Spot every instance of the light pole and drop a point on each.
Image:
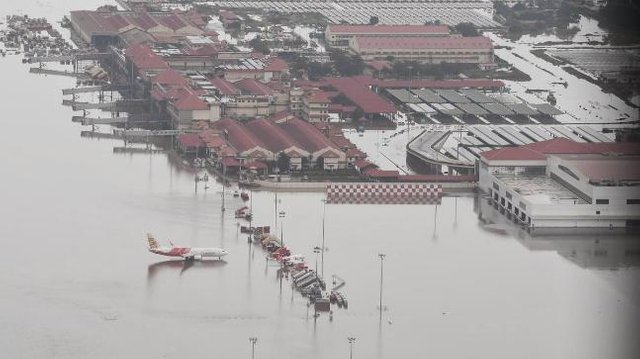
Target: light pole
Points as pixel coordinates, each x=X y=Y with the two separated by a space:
x=324 y=209
x=281 y=215
x=381 y=255
x=253 y=341
x=316 y=250
x=351 y=341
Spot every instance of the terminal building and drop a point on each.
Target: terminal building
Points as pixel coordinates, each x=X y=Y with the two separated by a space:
x=431 y=50
x=340 y=36
x=562 y=183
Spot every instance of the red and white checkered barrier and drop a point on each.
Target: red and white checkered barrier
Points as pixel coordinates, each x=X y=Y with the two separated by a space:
x=384 y=193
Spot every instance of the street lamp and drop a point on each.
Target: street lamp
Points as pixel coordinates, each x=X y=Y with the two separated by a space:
x=382 y=256
x=281 y=215
x=316 y=250
x=253 y=341
x=351 y=341
x=324 y=209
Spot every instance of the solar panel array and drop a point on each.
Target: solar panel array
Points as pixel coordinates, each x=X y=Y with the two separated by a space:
x=394 y=12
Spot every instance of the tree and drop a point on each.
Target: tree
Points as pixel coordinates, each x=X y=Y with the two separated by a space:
x=284 y=162
x=374 y=20
x=260 y=45
x=467 y=29
x=346 y=64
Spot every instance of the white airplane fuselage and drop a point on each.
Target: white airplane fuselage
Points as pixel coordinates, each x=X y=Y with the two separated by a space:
x=190 y=253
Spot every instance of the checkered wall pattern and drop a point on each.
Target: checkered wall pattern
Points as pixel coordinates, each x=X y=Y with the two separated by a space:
x=384 y=193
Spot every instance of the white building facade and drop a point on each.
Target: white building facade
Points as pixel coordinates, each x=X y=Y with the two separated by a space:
x=538 y=189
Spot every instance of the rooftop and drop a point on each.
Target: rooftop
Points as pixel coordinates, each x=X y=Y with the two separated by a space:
x=388 y=29
x=360 y=94
x=409 y=42
x=601 y=168
x=539 y=189
x=538 y=151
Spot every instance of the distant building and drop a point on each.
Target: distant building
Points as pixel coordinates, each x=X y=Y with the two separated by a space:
x=103 y=28
x=340 y=36
x=315 y=106
x=561 y=183
x=284 y=134
x=431 y=50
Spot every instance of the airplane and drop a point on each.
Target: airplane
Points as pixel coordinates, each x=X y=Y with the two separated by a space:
x=188 y=254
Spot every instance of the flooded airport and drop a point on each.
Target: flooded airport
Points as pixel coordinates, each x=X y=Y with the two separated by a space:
x=460 y=280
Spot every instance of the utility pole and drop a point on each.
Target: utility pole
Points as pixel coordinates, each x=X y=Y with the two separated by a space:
x=324 y=208
x=351 y=340
x=281 y=215
x=382 y=256
x=316 y=250
x=253 y=341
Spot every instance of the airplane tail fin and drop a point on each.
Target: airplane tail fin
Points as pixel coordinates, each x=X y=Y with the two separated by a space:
x=153 y=244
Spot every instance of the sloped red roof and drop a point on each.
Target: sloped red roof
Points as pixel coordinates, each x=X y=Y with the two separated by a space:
x=435 y=42
x=144 y=58
x=539 y=150
x=170 y=77
x=253 y=87
x=190 y=102
x=238 y=135
x=190 y=140
x=358 y=93
x=272 y=135
x=318 y=96
x=225 y=87
x=277 y=65
x=309 y=137
x=172 y=21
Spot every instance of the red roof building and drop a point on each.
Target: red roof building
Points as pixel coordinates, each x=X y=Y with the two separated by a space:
x=340 y=35
x=224 y=87
x=243 y=140
x=360 y=95
x=145 y=59
x=451 y=49
x=253 y=87
x=170 y=77
x=190 y=102
x=562 y=183
x=539 y=151
x=190 y=142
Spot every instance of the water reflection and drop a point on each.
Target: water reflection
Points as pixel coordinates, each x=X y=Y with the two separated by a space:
x=173 y=265
x=597 y=248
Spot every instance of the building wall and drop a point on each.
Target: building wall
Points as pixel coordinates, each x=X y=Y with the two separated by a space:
x=614 y=195
x=424 y=55
x=563 y=213
x=341 y=40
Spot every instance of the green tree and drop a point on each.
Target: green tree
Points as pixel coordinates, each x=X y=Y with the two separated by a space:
x=260 y=45
x=284 y=162
x=466 y=29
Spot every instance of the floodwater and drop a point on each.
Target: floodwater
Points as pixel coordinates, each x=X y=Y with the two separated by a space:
x=77 y=281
